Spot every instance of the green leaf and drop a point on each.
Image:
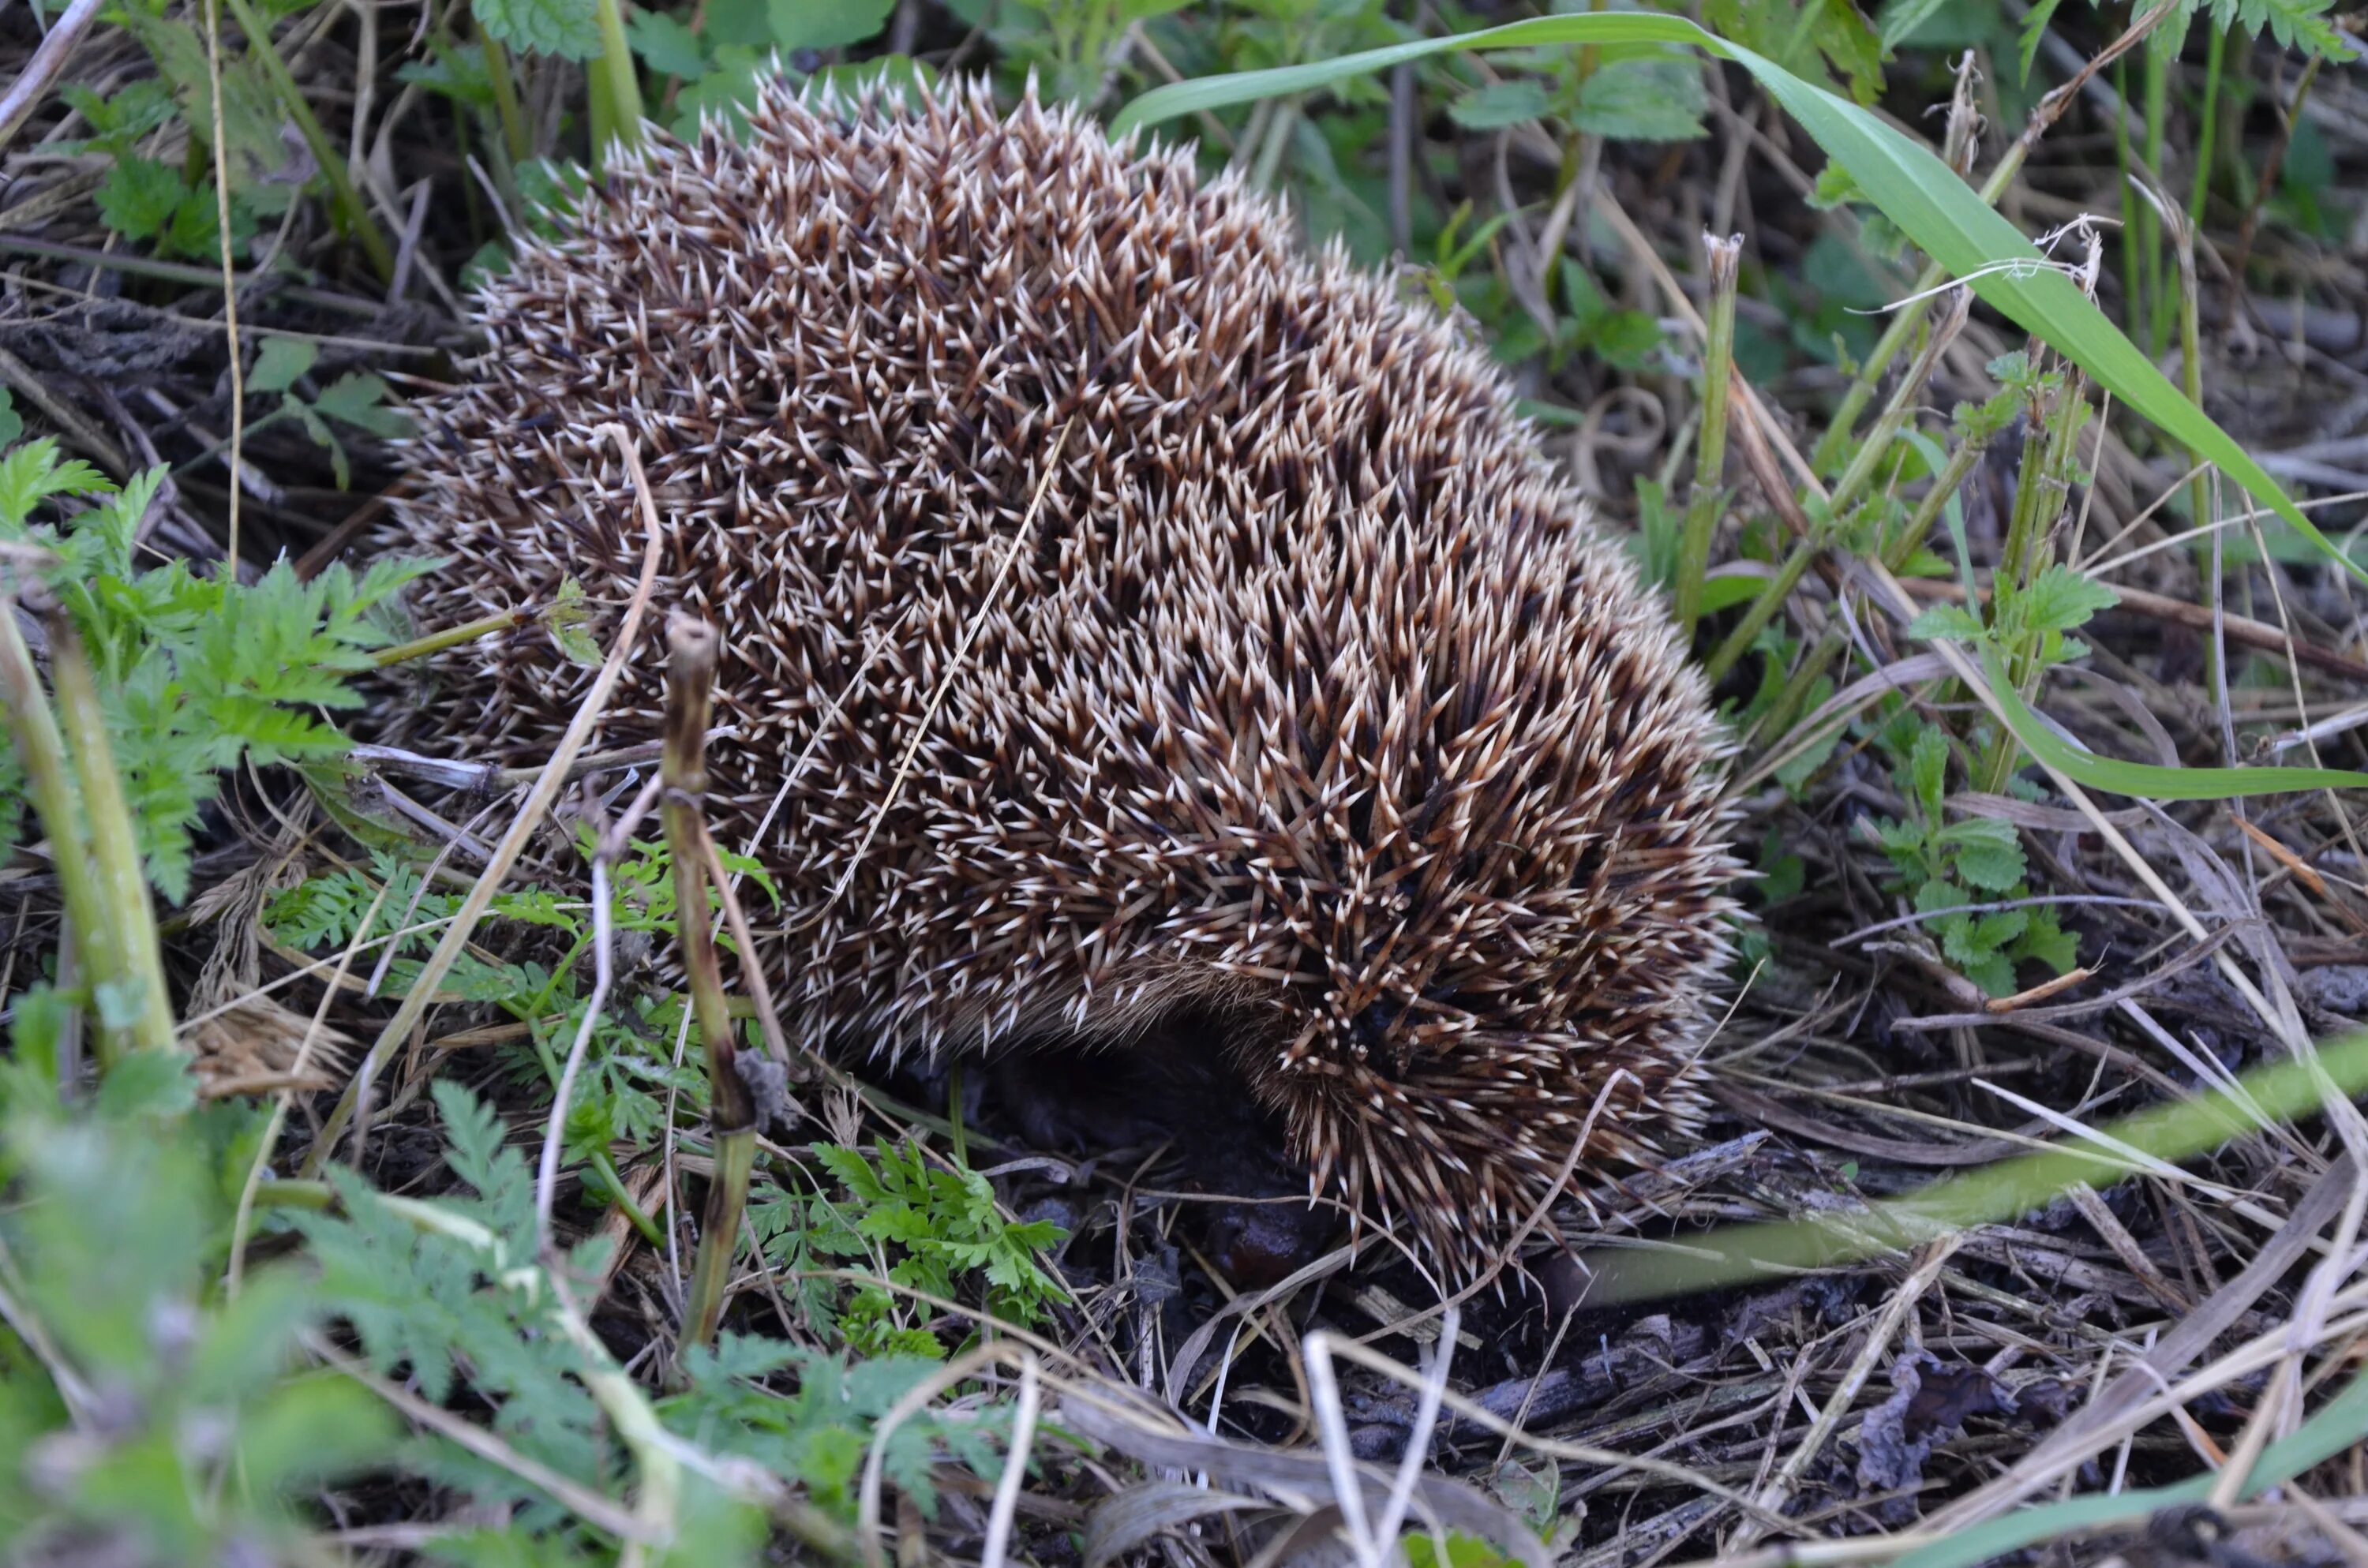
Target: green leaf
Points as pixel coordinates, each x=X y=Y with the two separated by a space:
x=2049 y=943
x=360 y=399
x=569 y=29
x=566 y=620
x=12 y=424
x=283 y=360
x=2060 y=598
x=2034 y=28
x=1904 y=179
x=2144 y=780
x=1947 y=623
x=1988 y=853
x=1501 y=104
x=196 y=229
x=148 y=1083
x=825 y=24
x=665 y=45
x=1626 y=339
x=145 y=105
x=1902 y=17
x=139 y=197
x=1928 y=770
x=1805 y=37
x=33 y=473
x=1643 y=100
x=2289 y=21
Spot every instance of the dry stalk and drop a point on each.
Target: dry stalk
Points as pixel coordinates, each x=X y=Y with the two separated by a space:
x=732 y=1114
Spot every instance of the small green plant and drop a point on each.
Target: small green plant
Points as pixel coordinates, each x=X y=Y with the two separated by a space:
x=357 y=398
x=1944 y=866
x=149 y=1417
x=199 y=674
x=821 y=1433
x=145 y=199
x=941 y=1226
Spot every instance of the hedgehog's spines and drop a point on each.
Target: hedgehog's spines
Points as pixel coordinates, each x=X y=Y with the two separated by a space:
x=1308 y=703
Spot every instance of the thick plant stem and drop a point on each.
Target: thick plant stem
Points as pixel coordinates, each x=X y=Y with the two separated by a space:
x=1947 y=482
x=1860 y=475
x=1763 y=610
x=454 y=636
x=139 y=982
x=617 y=88
x=506 y=107
x=1704 y=505
x=690 y=679
x=42 y=751
x=1903 y=322
x=353 y=214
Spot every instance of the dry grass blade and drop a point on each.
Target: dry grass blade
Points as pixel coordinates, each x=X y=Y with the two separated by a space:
x=1015 y=1467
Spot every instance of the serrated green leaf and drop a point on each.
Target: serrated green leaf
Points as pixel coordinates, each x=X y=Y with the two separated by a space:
x=1988 y=853
x=1515 y=101
x=1643 y=100
x=1953 y=623
x=33 y=473
x=2060 y=598
x=2291 y=22
x=665 y=45
x=147 y=1084
x=825 y=24
x=282 y=360
x=360 y=399
x=2049 y=943
x=569 y=29
x=1928 y=770
x=139 y=198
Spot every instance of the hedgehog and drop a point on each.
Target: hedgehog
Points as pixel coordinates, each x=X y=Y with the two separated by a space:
x=1140 y=635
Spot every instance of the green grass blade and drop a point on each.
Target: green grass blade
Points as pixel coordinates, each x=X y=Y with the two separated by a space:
x=1905 y=180
x=2174 y=1130
x=2144 y=780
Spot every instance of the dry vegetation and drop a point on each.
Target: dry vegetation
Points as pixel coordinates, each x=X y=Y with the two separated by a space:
x=374 y=1181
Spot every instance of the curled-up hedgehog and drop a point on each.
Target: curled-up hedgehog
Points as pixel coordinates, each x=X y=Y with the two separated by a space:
x=1145 y=643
